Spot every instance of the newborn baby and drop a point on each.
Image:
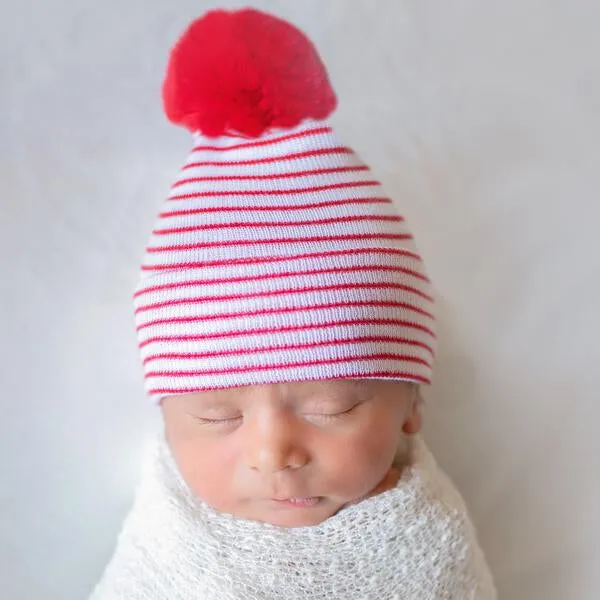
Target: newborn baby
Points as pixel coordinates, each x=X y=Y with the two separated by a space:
x=286 y=325
x=292 y=454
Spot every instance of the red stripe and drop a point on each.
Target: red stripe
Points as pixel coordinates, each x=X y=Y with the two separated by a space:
x=262 y=276
x=288 y=291
x=319 y=238
x=274 y=176
x=270 y=159
x=276 y=311
x=262 y=224
x=283 y=138
x=398 y=375
x=306 y=190
x=272 y=207
x=244 y=351
x=290 y=365
x=269 y=330
x=274 y=259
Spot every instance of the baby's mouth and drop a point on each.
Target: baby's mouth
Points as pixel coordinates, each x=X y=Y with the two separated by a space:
x=305 y=502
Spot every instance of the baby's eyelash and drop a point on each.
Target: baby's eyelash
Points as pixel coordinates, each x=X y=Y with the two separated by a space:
x=205 y=421
x=232 y=420
x=339 y=415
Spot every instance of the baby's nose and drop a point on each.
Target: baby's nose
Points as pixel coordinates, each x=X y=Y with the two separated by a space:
x=274 y=444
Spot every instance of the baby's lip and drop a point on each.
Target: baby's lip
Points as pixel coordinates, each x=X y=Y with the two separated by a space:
x=288 y=496
x=299 y=501
x=284 y=497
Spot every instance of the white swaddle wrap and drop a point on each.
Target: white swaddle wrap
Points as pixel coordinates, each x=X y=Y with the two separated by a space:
x=414 y=542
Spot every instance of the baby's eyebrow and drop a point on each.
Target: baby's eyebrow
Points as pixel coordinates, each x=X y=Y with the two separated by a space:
x=326 y=396
x=209 y=403
x=343 y=387
x=218 y=402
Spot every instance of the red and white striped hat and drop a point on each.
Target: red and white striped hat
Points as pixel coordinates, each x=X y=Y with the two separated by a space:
x=277 y=255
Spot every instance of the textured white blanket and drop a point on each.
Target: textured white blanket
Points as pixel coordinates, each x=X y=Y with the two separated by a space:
x=414 y=542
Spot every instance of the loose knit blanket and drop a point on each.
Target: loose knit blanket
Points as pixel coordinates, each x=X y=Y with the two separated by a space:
x=413 y=542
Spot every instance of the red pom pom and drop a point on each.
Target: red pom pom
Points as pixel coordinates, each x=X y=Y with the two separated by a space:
x=245 y=72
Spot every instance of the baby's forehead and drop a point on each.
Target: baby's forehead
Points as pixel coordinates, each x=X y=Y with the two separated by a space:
x=296 y=389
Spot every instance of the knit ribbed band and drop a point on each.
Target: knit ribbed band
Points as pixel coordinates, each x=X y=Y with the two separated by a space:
x=280 y=259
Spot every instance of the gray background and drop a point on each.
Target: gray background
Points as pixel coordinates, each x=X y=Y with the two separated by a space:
x=482 y=120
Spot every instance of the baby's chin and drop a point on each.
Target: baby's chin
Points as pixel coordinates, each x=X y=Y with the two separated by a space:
x=288 y=516
x=293 y=517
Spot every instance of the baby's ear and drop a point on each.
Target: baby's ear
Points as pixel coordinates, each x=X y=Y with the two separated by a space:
x=413 y=420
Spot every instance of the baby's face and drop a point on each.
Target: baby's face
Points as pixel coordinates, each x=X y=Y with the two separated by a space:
x=289 y=454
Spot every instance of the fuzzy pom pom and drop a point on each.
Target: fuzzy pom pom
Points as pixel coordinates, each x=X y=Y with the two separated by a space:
x=245 y=72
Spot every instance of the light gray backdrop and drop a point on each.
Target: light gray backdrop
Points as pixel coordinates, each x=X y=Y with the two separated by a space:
x=482 y=118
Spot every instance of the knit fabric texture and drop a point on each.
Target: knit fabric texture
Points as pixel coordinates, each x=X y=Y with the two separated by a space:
x=280 y=259
x=414 y=542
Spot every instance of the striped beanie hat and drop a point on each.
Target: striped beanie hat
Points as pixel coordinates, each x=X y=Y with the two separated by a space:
x=277 y=256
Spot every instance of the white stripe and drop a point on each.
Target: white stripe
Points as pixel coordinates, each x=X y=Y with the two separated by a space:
x=321 y=213
x=282 y=291
x=307 y=181
x=304 y=336
x=308 y=318
x=254 y=152
x=310 y=163
x=288 y=356
x=311 y=372
x=347 y=260
x=287 y=293
x=339 y=229
x=286 y=298
x=294 y=219
x=374 y=191
x=322 y=322
x=217 y=253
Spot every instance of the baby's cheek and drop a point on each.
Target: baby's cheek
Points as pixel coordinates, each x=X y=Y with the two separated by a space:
x=358 y=465
x=207 y=476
